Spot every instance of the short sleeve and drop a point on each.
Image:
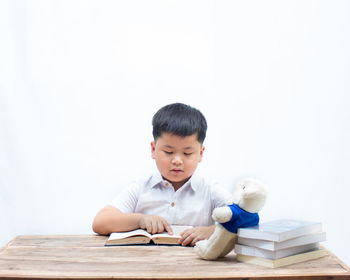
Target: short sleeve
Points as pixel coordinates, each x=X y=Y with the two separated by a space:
x=126 y=200
x=219 y=196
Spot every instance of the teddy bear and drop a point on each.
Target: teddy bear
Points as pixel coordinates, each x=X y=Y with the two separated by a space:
x=249 y=197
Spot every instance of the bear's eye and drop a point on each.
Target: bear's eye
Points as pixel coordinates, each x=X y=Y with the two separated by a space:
x=243 y=187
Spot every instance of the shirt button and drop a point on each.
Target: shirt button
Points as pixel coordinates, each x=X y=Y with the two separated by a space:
x=166 y=184
x=172 y=204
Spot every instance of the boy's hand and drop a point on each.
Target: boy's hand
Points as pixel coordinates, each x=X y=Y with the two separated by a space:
x=154 y=224
x=192 y=235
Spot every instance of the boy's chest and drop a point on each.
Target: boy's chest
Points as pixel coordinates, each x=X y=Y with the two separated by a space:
x=181 y=207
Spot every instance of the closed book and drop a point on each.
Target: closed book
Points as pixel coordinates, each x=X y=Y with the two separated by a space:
x=274 y=245
x=302 y=257
x=273 y=255
x=280 y=230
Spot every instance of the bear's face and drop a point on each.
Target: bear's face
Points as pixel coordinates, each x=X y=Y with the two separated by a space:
x=250 y=195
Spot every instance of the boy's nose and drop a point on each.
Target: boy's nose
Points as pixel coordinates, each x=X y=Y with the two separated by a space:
x=177 y=160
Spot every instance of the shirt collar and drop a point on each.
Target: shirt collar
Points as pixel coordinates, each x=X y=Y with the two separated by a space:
x=157 y=179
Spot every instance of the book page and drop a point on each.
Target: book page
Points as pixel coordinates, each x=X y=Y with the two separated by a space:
x=177 y=230
x=122 y=235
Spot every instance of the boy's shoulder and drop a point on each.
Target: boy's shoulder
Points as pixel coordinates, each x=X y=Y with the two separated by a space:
x=149 y=178
x=200 y=179
x=210 y=186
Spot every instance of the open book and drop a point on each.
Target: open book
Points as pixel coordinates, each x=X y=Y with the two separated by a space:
x=140 y=236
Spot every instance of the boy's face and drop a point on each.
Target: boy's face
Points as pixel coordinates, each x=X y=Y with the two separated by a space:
x=177 y=157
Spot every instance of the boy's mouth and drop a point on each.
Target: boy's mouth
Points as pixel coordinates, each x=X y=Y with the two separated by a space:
x=176 y=171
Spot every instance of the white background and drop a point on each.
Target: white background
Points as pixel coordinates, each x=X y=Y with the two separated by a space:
x=81 y=80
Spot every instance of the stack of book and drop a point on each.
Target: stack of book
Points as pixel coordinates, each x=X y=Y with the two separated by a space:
x=279 y=243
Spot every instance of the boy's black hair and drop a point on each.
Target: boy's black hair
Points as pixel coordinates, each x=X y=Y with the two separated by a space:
x=181 y=120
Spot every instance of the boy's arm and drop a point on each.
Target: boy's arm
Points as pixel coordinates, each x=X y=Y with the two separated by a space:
x=111 y=219
x=192 y=235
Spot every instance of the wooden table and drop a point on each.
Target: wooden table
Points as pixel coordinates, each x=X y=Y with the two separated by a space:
x=85 y=257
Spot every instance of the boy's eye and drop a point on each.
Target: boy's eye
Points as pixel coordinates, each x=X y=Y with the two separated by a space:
x=187 y=154
x=168 y=153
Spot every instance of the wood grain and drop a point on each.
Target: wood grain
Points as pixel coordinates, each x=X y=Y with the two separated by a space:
x=86 y=257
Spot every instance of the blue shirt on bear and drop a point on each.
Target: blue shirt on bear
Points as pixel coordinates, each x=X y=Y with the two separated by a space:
x=240 y=218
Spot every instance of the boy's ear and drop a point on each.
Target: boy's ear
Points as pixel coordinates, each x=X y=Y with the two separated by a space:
x=153 y=149
x=201 y=153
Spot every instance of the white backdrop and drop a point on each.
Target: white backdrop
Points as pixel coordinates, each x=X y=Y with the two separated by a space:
x=81 y=80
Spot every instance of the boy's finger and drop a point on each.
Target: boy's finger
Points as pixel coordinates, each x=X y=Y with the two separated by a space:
x=194 y=241
x=187 y=241
x=187 y=232
x=184 y=236
x=160 y=227
x=149 y=227
x=154 y=227
x=168 y=228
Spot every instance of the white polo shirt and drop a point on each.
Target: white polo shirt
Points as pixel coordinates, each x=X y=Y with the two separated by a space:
x=192 y=204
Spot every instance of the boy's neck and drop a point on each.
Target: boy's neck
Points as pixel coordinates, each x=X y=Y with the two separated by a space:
x=178 y=185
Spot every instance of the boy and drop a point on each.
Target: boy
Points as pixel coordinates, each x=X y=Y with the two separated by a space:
x=175 y=194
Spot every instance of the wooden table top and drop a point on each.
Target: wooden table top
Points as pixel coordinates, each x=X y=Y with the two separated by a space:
x=86 y=257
